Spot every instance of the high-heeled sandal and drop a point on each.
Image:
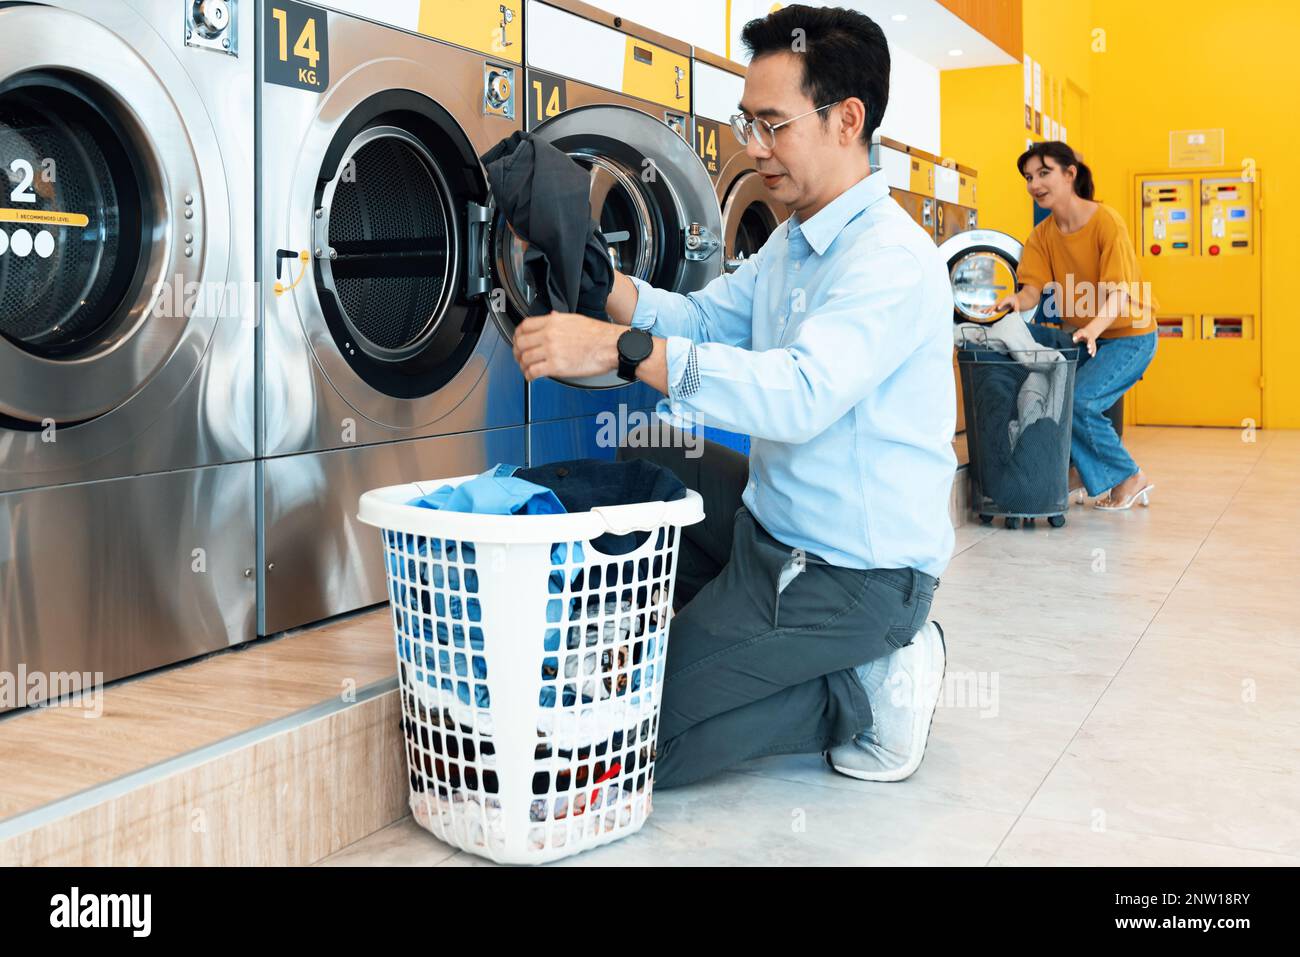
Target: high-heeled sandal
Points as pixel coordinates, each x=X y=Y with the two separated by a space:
x=1141 y=496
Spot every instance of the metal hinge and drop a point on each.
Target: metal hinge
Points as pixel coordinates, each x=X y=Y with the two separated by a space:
x=320 y=245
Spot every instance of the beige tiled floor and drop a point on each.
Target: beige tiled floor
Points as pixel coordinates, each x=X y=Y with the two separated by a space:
x=1123 y=690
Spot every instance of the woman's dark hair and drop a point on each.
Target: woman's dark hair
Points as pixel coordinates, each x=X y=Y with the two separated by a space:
x=1063 y=155
x=844 y=54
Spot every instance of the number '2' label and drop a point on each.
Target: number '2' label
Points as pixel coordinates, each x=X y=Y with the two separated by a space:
x=296 y=41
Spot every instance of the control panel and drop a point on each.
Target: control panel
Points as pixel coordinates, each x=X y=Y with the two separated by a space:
x=1227 y=227
x=1198 y=234
x=1167 y=218
x=487 y=26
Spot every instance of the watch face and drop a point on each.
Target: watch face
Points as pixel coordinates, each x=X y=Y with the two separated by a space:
x=635 y=345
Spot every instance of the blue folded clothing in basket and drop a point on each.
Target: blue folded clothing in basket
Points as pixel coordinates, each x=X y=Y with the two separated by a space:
x=495 y=492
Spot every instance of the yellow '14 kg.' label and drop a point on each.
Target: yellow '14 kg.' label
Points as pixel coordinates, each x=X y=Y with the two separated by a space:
x=297 y=45
x=44 y=217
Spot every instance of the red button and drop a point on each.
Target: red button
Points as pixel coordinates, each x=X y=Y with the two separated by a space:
x=1214 y=250
x=1155 y=249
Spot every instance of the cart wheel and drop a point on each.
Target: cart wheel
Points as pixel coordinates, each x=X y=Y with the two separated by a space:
x=1013 y=523
x=1056 y=521
x=986 y=519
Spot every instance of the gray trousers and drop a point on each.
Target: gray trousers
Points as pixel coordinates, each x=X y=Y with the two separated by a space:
x=753 y=668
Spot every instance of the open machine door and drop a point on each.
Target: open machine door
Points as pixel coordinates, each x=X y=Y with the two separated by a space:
x=650 y=194
x=982 y=264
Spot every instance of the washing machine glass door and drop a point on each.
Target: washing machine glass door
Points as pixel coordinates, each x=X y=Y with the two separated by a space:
x=748 y=218
x=390 y=241
x=93 y=267
x=982 y=265
x=651 y=196
x=62 y=283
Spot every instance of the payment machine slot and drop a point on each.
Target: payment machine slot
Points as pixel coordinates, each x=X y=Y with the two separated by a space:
x=1199 y=236
x=1227 y=327
x=1167 y=218
x=1174 y=327
x=1226 y=226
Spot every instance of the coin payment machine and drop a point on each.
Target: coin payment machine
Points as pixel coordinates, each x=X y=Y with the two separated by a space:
x=1199 y=247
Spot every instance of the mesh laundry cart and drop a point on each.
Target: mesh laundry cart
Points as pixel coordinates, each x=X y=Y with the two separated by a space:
x=1019 y=412
x=530 y=667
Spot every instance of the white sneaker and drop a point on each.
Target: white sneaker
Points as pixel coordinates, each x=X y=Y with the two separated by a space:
x=902 y=711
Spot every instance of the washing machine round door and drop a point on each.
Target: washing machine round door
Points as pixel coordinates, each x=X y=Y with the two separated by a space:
x=389 y=251
x=982 y=265
x=650 y=195
x=749 y=217
x=97 y=266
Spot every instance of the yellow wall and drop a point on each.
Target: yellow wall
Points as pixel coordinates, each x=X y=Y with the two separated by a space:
x=989 y=139
x=982 y=109
x=1154 y=71
x=1249 y=96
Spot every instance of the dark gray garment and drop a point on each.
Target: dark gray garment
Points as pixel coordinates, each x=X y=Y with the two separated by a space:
x=544 y=195
x=584 y=484
x=753 y=670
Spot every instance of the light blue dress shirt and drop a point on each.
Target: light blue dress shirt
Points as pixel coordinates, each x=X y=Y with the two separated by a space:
x=832 y=349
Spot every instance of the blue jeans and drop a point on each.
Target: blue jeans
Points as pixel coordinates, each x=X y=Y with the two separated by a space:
x=1095 y=448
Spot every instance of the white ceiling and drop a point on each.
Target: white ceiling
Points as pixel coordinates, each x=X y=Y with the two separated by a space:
x=930 y=31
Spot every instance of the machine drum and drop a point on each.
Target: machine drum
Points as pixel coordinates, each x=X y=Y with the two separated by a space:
x=62 y=283
x=392 y=246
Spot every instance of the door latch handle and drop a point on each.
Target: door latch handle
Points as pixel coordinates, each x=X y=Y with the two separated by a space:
x=476 y=278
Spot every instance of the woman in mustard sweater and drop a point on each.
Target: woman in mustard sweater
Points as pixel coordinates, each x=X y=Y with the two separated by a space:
x=1083 y=254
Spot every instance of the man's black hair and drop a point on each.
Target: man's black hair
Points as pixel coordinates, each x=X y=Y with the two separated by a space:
x=844 y=54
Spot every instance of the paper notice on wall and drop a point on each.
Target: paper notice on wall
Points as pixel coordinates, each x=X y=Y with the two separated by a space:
x=1196 y=147
x=1056 y=130
x=1065 y=137
x=1038 y=87
x=1029 y=81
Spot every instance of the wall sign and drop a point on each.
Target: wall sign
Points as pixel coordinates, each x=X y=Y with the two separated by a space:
x=297 y=45
x=1196 y=147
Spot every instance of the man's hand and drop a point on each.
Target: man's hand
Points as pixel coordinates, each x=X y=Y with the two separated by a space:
x=566 y=345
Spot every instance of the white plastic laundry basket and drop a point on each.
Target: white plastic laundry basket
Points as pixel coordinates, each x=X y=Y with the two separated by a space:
x=531 y=668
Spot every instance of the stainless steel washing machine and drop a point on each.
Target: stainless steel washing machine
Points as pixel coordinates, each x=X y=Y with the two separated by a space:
x=617 y=97
x=910 y=173
x=381 y=362
x=749 y=214
x=127 y=529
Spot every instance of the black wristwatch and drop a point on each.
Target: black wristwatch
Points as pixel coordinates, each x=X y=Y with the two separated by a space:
x=634 y=347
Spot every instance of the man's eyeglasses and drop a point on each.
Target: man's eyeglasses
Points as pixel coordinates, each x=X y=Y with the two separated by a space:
x=764 y=132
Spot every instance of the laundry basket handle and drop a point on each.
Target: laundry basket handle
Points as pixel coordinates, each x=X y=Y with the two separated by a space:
x=641 y=517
